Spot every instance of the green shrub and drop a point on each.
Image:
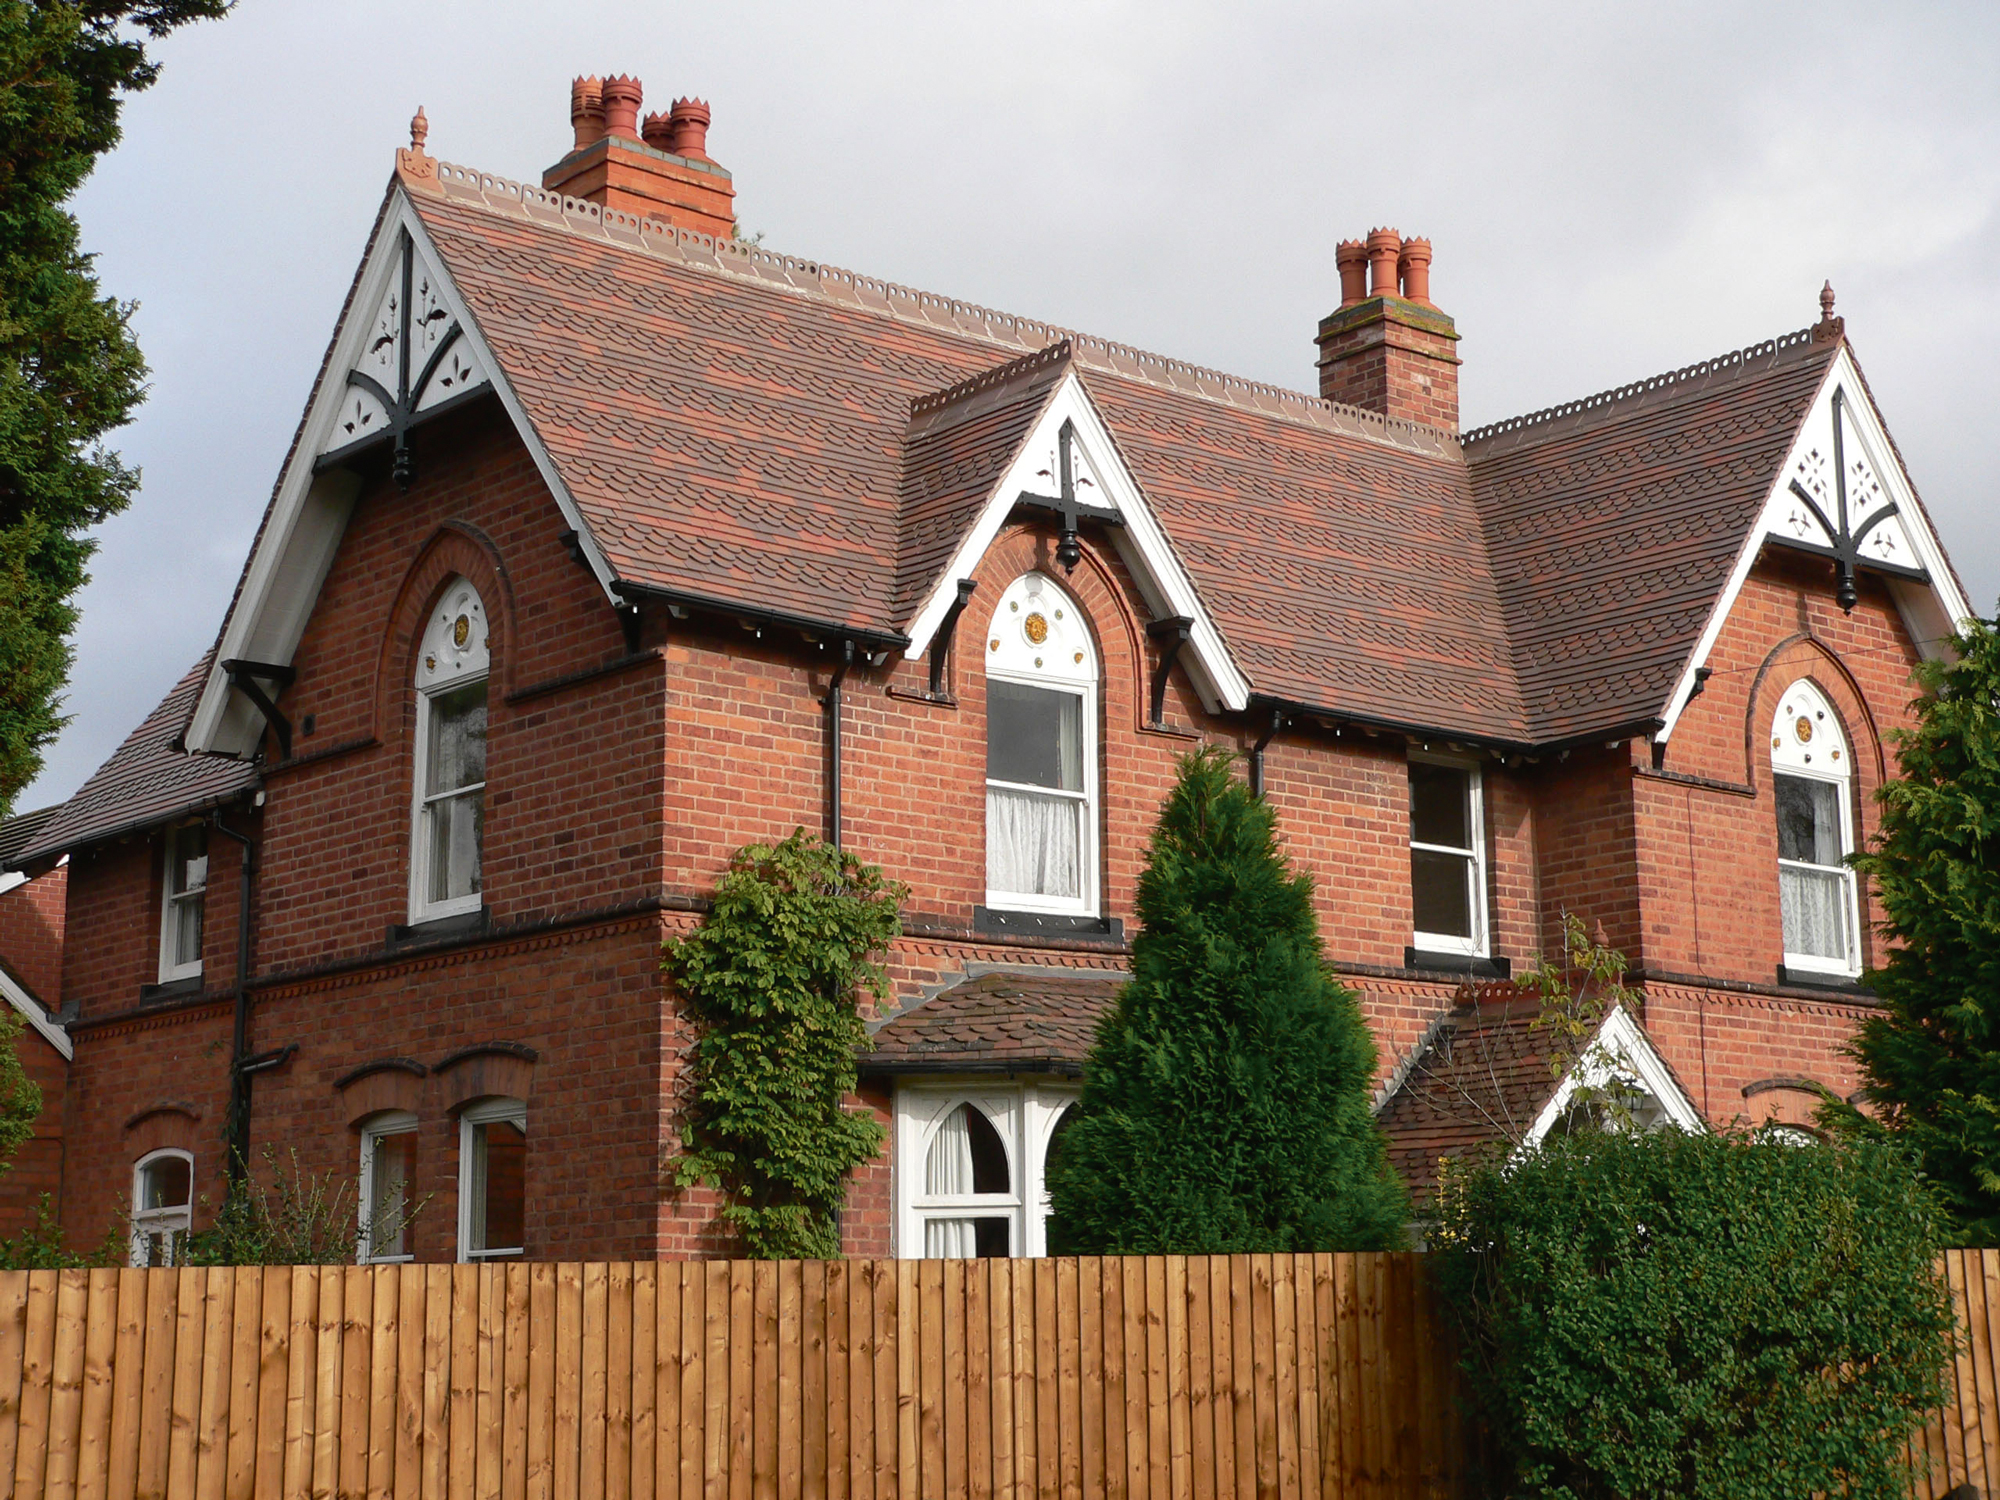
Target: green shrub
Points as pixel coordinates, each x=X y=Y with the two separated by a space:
x=290 y=1218
x=40 y=1246
x=1698 y=1317
x=773 y=976
x=1225 y=1100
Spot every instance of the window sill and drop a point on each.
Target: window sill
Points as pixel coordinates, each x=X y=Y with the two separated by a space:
x=172 y=989
x=986 y=919
x=1457 y=963
x=439 y=929
x=1815 y=979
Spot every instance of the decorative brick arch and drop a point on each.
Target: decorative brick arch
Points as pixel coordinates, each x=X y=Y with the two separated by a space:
x=386 y=1084
x=1805 y=656
x=1785 y=1101
x=488 y=1070
x=169 y=1124
x=456 y=550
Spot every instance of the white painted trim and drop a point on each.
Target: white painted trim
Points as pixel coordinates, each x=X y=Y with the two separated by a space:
x=1141 y=542
x=1620 y=1044
x=1023 y=1114
x=1790 y=758
x=485 y=1112
x=37 y=1018
x=1941 y=602
x=390 y=1122
x=309 y=512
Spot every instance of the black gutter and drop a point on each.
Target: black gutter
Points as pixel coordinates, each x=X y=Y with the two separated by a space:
x=874 y=640
x=237 y=1163
x=1294 y=711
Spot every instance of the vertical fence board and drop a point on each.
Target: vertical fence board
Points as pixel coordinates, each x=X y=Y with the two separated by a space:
x=413 y=1376
x=813 y=1361
x=273 y=1379
x=594 y=1369
x=461 y=1386
x=329 y=1333
x=128 y=1374
x=1305 y=1326
x=31 y=1453
x=1069 y=1380
x=742 y=1431
x=1090 y=1376
x=72 y=1312
x=946 y=1375
x=541 y=1459
x=642 y=1383
x=928 y=1308
x=566 y=1456
x=1000 y=1379
x=618 y=1332
x=355 y=1445
x=791 y=1376
x=1221 y=1377
x=100 y=1350
x=301 y=1357
x=712 y=1467
x=516 y=1407
x=1111 y=1293
x=1982 y=1269
x=839 y=1382
x=13 y=1353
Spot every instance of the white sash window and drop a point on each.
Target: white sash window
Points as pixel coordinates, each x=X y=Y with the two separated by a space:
x=183 y=890
x=492 y=1179
x=1811 y=779
x=1447 y=858
x=388 y=1179
x=1041 y=753
x=448 y=821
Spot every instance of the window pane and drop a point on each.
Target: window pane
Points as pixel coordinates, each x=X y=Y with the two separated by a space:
x=1441 y=893
x=964 y=1239
x=499 y=1187
x=457 y=829
x=1814 y=903
x=457 y=739
x=186 y=931
x=166 y=1183
x=1440 y=808
x=1034 y=844
x=1808 y=820
x=1034 y=736
x=190 y=859
x=391 y=1171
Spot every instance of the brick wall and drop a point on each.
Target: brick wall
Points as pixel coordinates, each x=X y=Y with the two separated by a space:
x=36 y=1168
x=31 y=933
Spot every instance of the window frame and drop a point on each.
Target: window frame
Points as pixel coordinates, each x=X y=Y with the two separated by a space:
x=171 y=901
x=377 y=1127
x=1843 y=782
x=494 y=1110
x=147 y=1222
x=1480 y=944
x=1031 y=1110
x=1085 y=688
x=422 y=799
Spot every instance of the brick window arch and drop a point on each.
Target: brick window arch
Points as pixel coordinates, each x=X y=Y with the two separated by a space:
x=1041 y=752
x=1812 y=784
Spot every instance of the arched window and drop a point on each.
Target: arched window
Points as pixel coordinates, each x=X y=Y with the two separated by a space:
x=492 y=1179
x=162 y=1206
x=388 y=1179
x=1041 y=753
x=1812 y=775
x=971 y=1163
x=449 y=817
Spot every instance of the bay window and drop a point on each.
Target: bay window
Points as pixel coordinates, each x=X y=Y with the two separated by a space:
x=1041 y=771
x=971 y=1167
x=1811 y=781
x=448 y=822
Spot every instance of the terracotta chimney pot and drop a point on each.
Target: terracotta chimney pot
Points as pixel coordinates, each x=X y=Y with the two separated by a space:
x=1385 y=249
x=1352 y=258
x=1415 y=264
x=586 y=111
x=653 y=131
x=622 y=96
x=687 y=129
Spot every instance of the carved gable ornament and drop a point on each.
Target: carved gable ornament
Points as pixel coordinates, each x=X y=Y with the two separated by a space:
x=1834 y=502
x=415 y=360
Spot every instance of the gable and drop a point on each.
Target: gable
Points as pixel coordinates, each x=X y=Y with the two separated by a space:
x=1842 y=493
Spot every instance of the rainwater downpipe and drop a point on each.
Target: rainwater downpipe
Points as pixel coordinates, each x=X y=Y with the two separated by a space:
x=831 y=704
x=237 y=1163
x=1257 y=752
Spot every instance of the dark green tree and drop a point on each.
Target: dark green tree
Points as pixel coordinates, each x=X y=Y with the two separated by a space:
x=1225 y=1102
x=70 y=371
x=773 y=976
x=1930 y=1055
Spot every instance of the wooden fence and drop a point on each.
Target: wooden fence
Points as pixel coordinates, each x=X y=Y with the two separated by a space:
x=1239 y=1378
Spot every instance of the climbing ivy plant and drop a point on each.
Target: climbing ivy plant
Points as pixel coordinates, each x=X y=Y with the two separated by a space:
x=774 y=978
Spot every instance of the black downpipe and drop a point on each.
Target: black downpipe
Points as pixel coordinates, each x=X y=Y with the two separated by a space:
x=238 y=1163
x=1257 y=752
x=831 y=703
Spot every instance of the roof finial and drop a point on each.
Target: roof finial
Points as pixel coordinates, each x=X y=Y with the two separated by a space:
x=1828 y=328
x=412 y=165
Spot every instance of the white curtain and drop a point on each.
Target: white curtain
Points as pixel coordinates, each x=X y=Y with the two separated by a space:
x=1034 y=844
x=1814 y=903
x=948 y=1172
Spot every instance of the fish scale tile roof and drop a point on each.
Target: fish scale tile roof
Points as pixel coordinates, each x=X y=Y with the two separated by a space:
x=748 y=428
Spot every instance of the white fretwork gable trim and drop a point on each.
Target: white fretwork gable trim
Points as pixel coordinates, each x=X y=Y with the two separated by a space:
x=1102 y=482
x=1621 y=1054
x=1883 y=521
x=310 y=510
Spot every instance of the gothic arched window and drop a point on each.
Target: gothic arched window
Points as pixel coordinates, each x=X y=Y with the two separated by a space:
x=1812 y=777
x=449 y=818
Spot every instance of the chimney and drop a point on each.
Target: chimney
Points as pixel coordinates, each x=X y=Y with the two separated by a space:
x=1388 y=349
x=660 y=170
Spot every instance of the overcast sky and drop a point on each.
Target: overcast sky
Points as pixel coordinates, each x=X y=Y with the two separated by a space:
x=1612 y=190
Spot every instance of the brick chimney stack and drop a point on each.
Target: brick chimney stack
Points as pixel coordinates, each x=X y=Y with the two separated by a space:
x=658 y=170
x=1388 y=349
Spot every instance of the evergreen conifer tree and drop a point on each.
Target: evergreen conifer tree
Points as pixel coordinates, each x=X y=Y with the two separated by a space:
x=1931 y=1054
x=1225 y=1102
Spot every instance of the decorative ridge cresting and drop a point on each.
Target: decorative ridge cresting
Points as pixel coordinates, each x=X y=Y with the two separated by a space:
x=748 y=262
x=986 y=380
x=1736 y=358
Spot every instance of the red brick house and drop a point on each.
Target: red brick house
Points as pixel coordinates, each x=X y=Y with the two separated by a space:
x=608 y=544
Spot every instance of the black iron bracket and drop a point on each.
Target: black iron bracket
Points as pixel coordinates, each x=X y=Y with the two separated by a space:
x=947 y=629
x=1169 y=635
x=1069 y=510
x=248 y=678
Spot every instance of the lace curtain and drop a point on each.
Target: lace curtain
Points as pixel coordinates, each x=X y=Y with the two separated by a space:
x=1814 y=903
x=1034 y=843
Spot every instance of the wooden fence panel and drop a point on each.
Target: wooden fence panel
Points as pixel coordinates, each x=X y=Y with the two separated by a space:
x=1267 y=1377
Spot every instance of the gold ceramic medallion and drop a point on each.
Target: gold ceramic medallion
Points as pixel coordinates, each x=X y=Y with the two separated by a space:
x=1804 y=730
x=461 y=631
x=1036 y=627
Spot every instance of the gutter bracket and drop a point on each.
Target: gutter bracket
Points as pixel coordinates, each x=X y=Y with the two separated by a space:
x=1170 y=635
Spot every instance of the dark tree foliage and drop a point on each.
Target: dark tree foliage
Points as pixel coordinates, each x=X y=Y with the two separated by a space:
x=69 y=369
x=1225 y=1102
x=1930 y=1055
x=774 y=976
x=1716 y=1317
